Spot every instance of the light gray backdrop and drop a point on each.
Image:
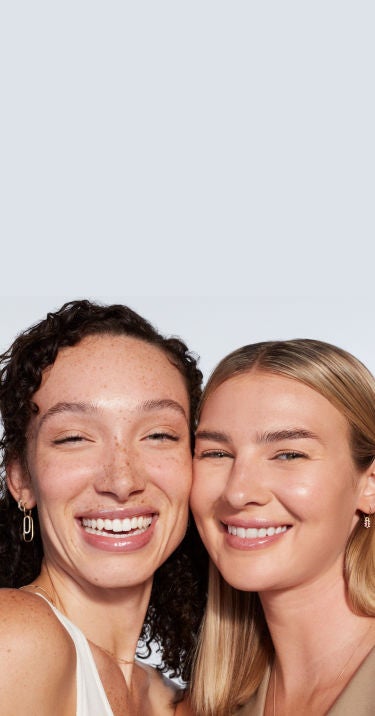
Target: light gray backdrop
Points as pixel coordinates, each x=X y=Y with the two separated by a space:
x=213 y=326
x=209 y=147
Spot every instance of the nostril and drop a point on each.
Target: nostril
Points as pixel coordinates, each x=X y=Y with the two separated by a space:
x=120 y=486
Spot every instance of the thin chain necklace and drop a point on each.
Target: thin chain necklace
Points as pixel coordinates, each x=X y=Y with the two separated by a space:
x=117 y=658
x=337 y=677
x=38 y=587
x=110 y=653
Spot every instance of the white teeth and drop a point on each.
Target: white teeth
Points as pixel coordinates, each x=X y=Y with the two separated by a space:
x=111 y=528
x=253 y=533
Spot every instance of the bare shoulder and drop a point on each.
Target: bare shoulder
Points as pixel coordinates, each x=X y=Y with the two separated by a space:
x=36 y=653
x=26 y=618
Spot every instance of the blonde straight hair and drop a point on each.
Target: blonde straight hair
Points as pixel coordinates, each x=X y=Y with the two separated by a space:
x=234 y=646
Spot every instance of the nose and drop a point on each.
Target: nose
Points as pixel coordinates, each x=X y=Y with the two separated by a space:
x=121 y=475
x=246 y=485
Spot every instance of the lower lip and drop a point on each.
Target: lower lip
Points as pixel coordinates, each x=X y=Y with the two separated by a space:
x=124 y=543
x=253 y=543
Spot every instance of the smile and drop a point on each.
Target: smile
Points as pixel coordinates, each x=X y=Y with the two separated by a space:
x=117 y=527
x=253 y=532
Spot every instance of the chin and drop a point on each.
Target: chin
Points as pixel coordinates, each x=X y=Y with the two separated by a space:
x=242 y=585
x=244 y=582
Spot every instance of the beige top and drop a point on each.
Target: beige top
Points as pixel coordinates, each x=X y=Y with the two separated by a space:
x=357 y=698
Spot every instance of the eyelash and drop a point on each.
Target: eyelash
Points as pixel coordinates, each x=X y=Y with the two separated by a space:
x=289 y=455
x=162 y=436
x=68 y=439
x=213 y=454
x=154 y=436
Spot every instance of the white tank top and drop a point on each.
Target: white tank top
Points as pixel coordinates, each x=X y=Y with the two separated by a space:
x=91 y=697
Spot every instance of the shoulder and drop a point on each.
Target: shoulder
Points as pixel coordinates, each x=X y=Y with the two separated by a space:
x=35 y=651
x=26 y=616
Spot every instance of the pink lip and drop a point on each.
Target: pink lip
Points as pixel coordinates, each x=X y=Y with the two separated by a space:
x=121 y=514
x=252 y=543
x=252 y=524
x=123 y=543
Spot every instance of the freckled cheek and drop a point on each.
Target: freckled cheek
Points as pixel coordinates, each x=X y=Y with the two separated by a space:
x=173 y=475
x=54 y=478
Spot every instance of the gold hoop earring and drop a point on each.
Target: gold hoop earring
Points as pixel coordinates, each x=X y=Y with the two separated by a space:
x=27 y=523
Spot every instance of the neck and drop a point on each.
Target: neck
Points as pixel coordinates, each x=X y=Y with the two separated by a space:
x=110 y=618
x=312 y=644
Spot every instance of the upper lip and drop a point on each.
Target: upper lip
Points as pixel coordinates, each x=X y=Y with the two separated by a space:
x=257 y=523
x=119 y=513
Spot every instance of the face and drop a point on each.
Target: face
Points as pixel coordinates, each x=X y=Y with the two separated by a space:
x=275 y=490
x=109 y=460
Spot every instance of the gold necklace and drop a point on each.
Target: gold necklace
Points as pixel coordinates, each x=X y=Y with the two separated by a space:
x=361 y=641
x=110 y=653
x=41 y=589
x=117 y=658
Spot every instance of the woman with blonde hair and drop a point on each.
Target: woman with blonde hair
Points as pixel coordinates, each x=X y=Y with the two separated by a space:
x=283 y=494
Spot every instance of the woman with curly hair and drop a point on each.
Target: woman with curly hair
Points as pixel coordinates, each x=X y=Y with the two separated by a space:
x=97 y=410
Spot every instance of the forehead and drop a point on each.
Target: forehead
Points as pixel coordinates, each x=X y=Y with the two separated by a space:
x=268 y=397
x=110 y=363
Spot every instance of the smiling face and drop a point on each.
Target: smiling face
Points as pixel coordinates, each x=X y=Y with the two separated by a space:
x=109 y=461
x=275 y=489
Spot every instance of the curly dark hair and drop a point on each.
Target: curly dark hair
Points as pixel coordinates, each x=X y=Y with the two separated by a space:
x=179 y=587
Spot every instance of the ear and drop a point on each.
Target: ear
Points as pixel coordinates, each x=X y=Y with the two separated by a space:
x=366 y=500
x=19 y=484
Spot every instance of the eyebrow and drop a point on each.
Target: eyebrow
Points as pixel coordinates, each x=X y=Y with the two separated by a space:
x=161 y=404
x=214 y=435
x=90 y=408
x=287 y=434
x=267 y=437
x=65 y=407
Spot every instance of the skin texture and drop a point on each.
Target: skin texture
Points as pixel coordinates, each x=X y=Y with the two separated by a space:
x=273 y=453
x=110 y=440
